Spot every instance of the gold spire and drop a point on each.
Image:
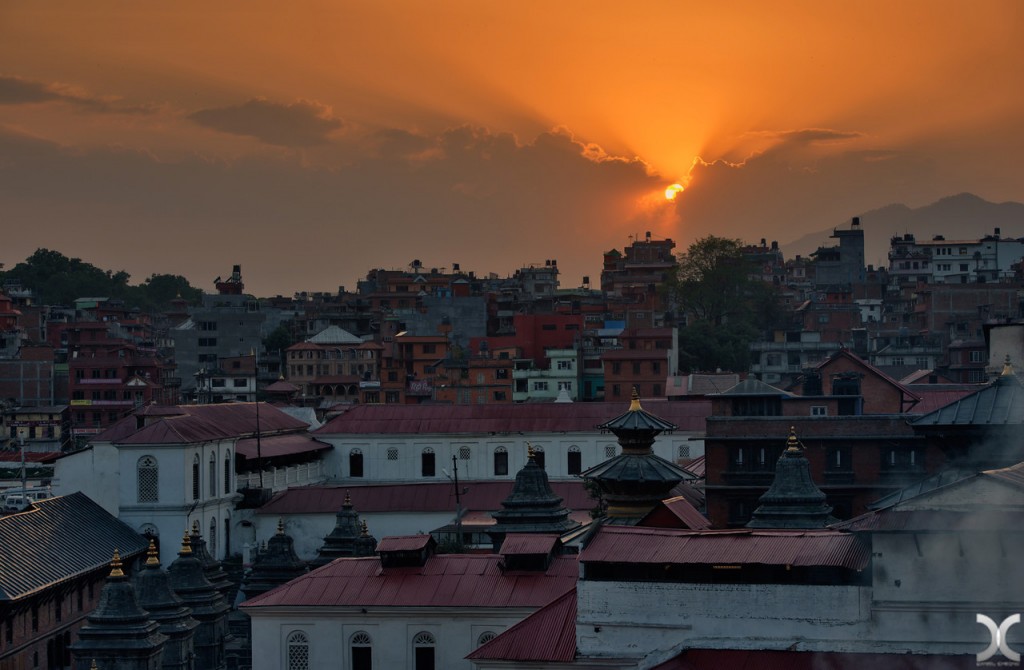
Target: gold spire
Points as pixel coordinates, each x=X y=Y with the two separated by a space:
x=186 y=545
x=1007 y=368
x=152 y=555
x=280 y=525
x=348 y=500
x=93 y=666
x=634 y=403
x=792 y=444
x=529 y=451
x=115 y=565
x=195 y=527
x=365 y=532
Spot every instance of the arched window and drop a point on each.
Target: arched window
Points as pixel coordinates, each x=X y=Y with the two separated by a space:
x=211 y=541
x=195 y=478
x=423 y=651
x=362 y=651
x=297 y=651
x=212 y=485
x=148 y=480
x=500 y=461
x=227 y=473
x=485 y=637
x=355 y=463
x=575 y=465
x=538 y=456
x=427 y=463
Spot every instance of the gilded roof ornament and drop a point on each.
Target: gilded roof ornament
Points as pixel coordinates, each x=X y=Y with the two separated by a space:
x=793 y=444
x=152 y=555
x=634 y=403
x=115 y=565
x=186 y=545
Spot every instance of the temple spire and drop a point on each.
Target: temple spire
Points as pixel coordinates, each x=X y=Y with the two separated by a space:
x=793 y=500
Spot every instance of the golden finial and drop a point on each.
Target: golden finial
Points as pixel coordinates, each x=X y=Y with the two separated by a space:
x=348 y=500
x=792 y=444
x=280 y=525
x=634 y=403
x=1007 y=368
x=195 y=527
x=152 y=555
x=530 y=453
x=186 y=545
x=93 y=666
x=115 y=565
x=365 y=532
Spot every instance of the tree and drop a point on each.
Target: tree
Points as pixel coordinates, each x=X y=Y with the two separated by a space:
x=723 y=305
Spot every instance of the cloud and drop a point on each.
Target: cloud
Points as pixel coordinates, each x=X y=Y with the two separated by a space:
x=299 y=124
x=486 y=200
x=21 y=91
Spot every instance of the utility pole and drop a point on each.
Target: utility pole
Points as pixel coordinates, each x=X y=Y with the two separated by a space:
x=458 y=503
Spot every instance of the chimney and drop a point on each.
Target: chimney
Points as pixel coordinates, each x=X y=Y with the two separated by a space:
x=856 y=222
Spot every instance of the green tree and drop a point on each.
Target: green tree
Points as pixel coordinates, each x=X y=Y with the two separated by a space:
x=724 y=306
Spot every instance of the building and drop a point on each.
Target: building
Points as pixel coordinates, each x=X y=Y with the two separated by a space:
x=844 y=263
x=647 y=357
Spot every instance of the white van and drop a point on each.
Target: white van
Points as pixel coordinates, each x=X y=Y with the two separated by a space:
x=19 y=500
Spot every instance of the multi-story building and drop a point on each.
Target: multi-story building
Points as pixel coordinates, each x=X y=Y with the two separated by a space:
x=334 y=366
x=561 y=378
x=232 y=380
x=941 y=261
x=648 y=357
x=842 y=264
x=636 y=276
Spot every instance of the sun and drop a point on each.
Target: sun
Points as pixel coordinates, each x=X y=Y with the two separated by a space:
x=672 y=191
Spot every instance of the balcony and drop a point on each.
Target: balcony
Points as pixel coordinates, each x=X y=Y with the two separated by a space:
x=279 y=479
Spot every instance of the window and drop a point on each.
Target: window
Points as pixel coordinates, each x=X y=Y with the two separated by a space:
x=839 y=459
x=195 y=478
x=212 y=485
x=211 y=541
x=540 y=386
x=976 y=356
x=609 y=451
x=429 y=348
x=500 y=461
x=297 y=651
x=538 y=456
x=241 y=383
x=656 y=367
x=485 y=638
x=227 y=474
x=501 y=373
x=683 y=451
x=148 y=480
x=819 y=410
x=464 y=453
x=616 y=368
x=427 y=463
x=392 y=453
x=362 y=651
x=355 y=463
x=636 y=368
x=565 y=386
x=565 y=365
x=575 y=463
x=423 y=651
x=500 y=395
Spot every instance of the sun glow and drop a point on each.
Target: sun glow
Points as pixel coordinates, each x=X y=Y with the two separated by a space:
x=672 y=191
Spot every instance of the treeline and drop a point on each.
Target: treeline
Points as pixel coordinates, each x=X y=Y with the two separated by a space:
x=59 y=280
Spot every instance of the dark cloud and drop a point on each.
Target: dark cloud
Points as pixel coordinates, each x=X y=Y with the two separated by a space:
x=21 y=91
x=485 y=200
x=299 y=124
x=816 y=135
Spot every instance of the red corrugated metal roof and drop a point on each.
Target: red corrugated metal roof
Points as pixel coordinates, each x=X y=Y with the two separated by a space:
x=932 y=400
x=404 y=543
x=432 y=497
x=448 y=580
x=697 y=466
x=829 y=548
x=760 y=659
x=201 y=423
x=675 y=513
x=688 y=415
x=547 y=635
x=528 y=543
x=280 y=445
x=1011 y=475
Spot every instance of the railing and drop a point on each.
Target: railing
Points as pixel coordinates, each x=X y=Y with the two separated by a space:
x=278 y=479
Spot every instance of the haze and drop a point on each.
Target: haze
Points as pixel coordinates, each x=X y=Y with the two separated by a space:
x=310 y=141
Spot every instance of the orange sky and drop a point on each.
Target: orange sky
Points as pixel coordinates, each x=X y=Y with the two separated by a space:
x=309 y=141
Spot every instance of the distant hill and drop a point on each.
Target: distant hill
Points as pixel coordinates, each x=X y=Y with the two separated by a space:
x=957 y=217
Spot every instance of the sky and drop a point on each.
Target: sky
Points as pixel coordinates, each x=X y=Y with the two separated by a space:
x=312 y=141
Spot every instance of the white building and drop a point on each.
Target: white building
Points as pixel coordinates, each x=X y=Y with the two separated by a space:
x=560 y=379
x=166 y=467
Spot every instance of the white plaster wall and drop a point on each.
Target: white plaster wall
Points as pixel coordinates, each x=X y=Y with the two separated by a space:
x=392 y=633
x=95 y=472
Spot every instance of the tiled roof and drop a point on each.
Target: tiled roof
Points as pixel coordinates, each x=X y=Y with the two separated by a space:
x=280 y=445
x=688 y=415
x=761 y=659
x=421 y=497
x=58 y=539
x=935 y=396
x=281 y=386
x=824 y=548
x=547 y=635
x=335 y=335
x=447 y=580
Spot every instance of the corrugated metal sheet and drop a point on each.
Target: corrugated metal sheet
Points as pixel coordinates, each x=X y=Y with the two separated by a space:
x=528 y=543
x=999 y=403
x=448 y=580
x=280 y=445
x=687 y=415
x=826 y=548
x=432 y=497
x=58 y=539
x=547 y=635
x=675 y=513
x=403 y=543
x=736 y=659
x=697 y=466
x=202 y=423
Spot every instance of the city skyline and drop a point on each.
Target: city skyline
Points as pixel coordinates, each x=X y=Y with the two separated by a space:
x=312 y=142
